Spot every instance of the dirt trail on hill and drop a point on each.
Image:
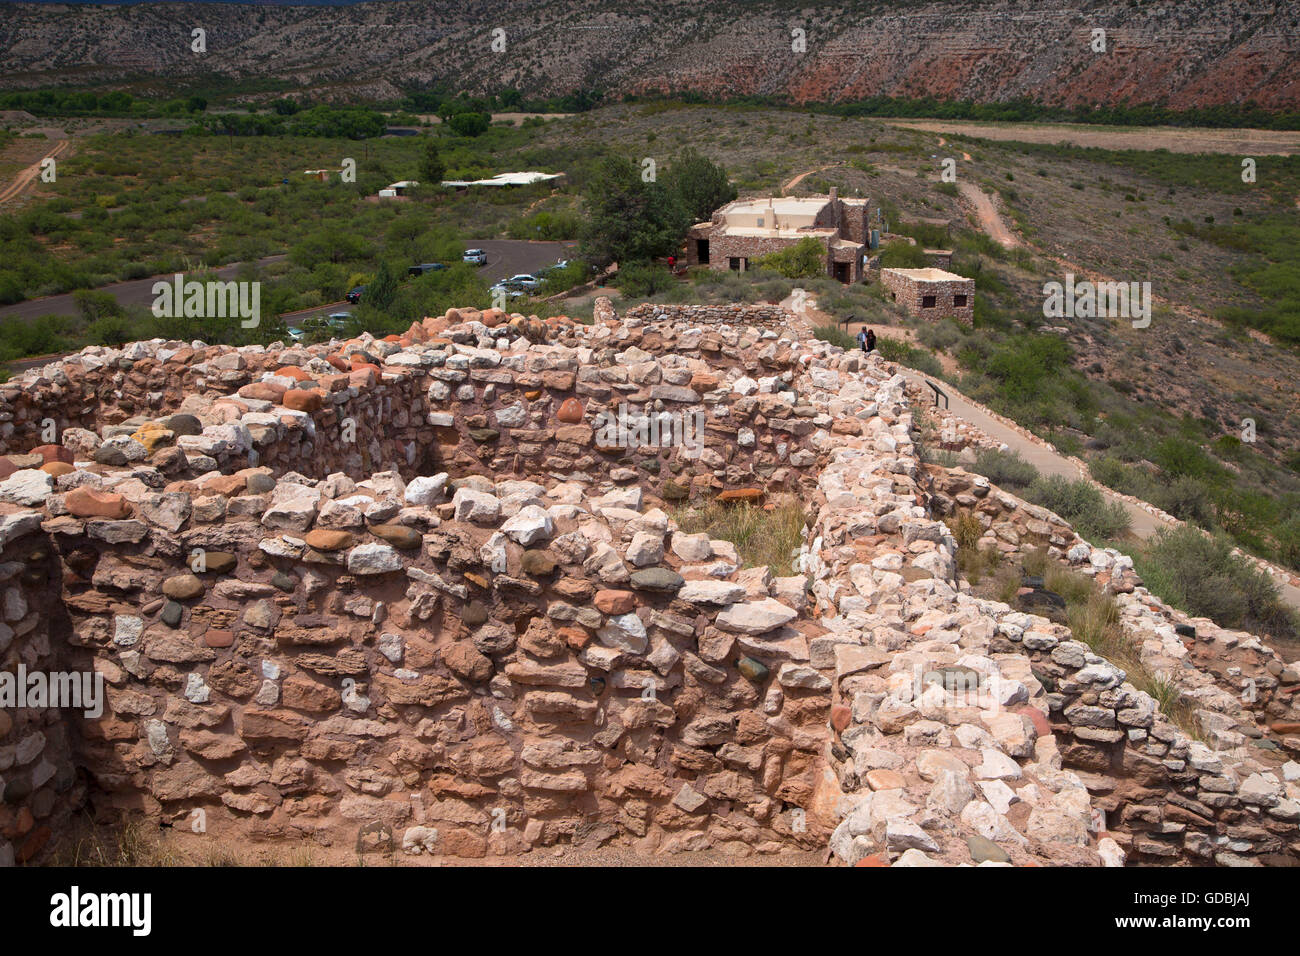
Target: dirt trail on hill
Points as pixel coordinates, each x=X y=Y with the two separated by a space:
x=990 y=220
x=802 y=176
x=28 y=175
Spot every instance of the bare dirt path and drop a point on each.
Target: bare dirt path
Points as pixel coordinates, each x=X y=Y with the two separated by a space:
x=28 y=175
x=802 y=176
x=990 y=220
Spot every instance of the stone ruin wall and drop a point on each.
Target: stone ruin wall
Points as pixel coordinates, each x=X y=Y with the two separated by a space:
x=471 y=665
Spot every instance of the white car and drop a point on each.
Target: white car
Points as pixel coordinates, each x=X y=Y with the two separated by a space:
x=475 y=257
x=509 y=291
x=523 y=281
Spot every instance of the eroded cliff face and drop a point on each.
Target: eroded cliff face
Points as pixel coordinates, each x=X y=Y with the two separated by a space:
x=1182 y=55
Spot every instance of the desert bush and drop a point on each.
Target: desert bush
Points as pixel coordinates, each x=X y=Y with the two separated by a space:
x=806 y=259
x=904 y=353
x=1005 y=468
x=1200 y=574
x=836 y=336
x=1081 y=504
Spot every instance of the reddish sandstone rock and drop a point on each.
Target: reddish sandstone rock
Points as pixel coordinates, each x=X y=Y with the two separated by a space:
x=51 y=453
x=841 y=716
x=398 y=535
x=1037 y=718
x=876 y=859
x=86 y=503
x=328 y=539
x=263 y=391
x=228 y=485
x=614 y=602
x=741 y=494
x=570 y=411
x=302 y=400
x=57 y=468
x=575 y=637
x=293 y=372
x=465 y=660
x=363 y=376
x=338 y=362
x=217 y=637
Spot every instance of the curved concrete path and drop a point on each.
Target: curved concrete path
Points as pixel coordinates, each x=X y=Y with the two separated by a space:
x=1144 y=524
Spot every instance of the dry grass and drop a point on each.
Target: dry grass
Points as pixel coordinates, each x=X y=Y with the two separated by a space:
x=972 y=560
x=139 y=843
x=768 y=535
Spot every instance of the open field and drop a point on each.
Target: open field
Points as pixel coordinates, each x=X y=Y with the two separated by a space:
x=1238 y=142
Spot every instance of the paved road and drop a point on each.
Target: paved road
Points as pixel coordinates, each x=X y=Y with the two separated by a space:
x=510 y=257
x=506 y=257
x=136 y=292
x=1144 y=524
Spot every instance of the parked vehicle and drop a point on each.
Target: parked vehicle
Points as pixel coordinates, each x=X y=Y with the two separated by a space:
x=424 y=267
x=524 y=281
x=475 y=257
x=511 y=290
x=354 y=295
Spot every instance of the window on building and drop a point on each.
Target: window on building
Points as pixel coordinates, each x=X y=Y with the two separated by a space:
x=927 y=302
x=959 y=301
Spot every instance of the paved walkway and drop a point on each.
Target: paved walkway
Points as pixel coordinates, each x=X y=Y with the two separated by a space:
x=1144 y=524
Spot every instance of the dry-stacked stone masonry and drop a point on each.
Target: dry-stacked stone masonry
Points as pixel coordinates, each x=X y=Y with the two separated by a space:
x=413 y=590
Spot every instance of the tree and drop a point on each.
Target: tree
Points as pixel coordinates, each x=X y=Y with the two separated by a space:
x=469 y=124
x=806 y=259
x=628 y=220
x=701 y=186
x=196 y=104
x=903 y=255
x=382 y=289
x=432 y=168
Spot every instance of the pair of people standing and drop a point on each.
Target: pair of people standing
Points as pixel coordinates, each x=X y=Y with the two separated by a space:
x=867 y=339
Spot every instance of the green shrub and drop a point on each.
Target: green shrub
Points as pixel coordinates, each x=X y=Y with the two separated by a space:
x=640 y=281
x=1081 y=504
x=904 y=353
x=806 y=259
x=836 y=336
x=902 y=255
x=1005 y=468
x=1201 y=575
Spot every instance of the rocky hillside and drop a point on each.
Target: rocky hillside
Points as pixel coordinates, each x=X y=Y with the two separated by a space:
x=1184 y=55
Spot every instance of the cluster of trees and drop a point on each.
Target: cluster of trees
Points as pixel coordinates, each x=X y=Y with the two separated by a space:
x=115 y=103
x=342 y=122
x=1226 y=115
x=633 y=216
x=447 y=104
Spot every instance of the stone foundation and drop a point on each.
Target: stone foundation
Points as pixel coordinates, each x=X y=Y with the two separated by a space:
x=409 y=593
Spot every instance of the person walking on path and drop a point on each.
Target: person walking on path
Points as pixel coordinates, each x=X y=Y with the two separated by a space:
x=871 y=341
x=862 y=339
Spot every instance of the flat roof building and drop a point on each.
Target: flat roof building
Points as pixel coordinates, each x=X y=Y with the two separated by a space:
x=749 y=228
x=932 y=293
